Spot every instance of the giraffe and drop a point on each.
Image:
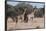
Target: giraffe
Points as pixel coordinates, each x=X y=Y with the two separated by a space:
x=32 y=17
x=22 y=16
x=33 y=14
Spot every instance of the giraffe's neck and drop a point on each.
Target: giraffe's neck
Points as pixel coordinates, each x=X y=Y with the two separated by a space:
x=24 y=11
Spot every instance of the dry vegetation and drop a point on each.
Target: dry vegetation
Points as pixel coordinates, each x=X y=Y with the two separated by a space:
x=37 y=22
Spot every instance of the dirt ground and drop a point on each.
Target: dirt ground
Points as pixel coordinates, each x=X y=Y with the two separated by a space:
x=36 y=22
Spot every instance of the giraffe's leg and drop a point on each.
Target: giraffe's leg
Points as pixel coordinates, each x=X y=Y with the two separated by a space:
x=25 y=19
x=16 y=19
x=22 y=19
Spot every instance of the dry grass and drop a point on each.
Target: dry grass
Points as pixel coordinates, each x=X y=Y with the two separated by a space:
x=37 y=22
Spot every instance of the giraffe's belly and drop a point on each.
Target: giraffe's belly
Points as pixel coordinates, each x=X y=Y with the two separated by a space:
x=20 y=18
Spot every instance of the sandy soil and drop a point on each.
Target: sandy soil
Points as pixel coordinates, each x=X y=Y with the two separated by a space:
x=36 y=22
